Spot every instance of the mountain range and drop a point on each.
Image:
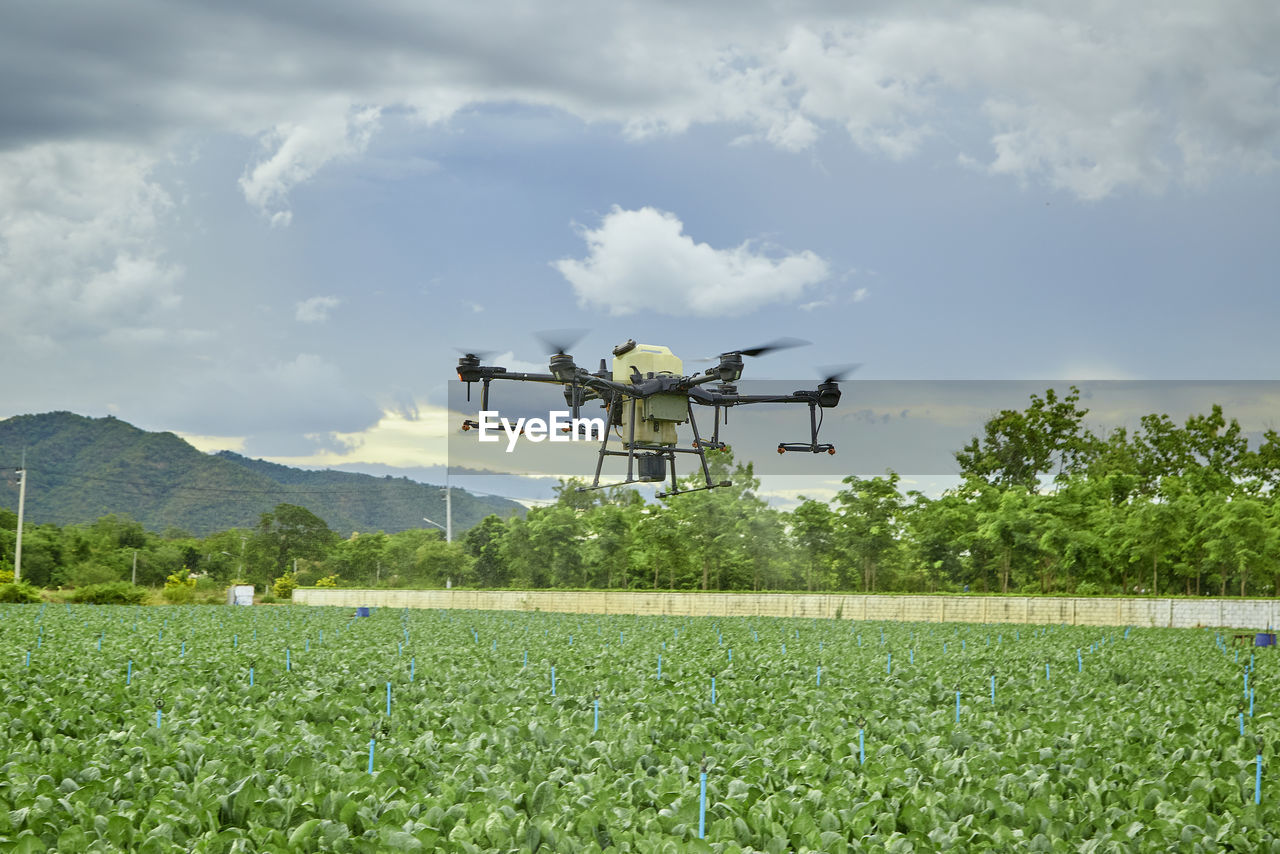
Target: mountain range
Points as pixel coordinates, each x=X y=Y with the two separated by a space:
x=80 y=468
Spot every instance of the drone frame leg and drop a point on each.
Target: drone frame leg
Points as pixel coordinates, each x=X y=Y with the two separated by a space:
x=697 y=443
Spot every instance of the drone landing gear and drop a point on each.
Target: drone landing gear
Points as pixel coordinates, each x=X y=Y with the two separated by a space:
x=652 y=461
x=812 y=446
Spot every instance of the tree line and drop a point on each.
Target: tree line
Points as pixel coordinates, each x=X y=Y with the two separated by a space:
x=1043 y=506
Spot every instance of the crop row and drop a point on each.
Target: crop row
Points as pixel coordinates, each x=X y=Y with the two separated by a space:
x=221 y=729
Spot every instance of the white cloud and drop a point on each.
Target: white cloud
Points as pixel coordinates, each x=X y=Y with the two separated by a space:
x=398 y=438
x=79 y=246
x=315 y=309
x=643 y=260
x=300 y=150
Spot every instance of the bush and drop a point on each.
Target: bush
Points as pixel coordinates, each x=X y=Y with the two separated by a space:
x=6 y=576
x=284 y=586
x=182 y=595
x=179 y=588
x=115 y=593
x=1088 y=588
x=91 y=573
x=268 y=598
x=21 y=593
x=329 y=581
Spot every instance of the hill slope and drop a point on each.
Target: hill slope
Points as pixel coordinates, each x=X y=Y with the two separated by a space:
x=82 y=468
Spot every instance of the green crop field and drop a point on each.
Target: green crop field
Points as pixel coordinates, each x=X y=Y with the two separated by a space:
x=272 y=719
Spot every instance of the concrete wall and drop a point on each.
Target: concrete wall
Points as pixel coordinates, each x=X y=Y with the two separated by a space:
x=1184 y=613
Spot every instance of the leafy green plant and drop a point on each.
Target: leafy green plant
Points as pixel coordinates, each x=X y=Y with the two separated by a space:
x=284 y=586
x=1135 y=743
x=114 y=593
x=19 y=592
x=329 y=581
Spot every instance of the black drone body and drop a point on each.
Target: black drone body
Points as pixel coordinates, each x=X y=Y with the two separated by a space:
x=646 y=395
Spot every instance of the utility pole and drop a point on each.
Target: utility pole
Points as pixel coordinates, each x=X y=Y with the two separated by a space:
x=448 y=511
x=22 y=503
x=135 y=568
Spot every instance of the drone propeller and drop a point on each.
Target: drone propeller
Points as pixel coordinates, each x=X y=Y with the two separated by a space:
x=779 y=344
x=558 y=342
x=470 y=353
x=838 y=373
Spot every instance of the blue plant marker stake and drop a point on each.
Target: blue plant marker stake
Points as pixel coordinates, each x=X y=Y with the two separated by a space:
x=235 y=641
x=250 y=677
x=659 y=665
x=944 y=647
x=307 y=648
x=622 y=637
x=1257 y=780
x=288 y=664
x=1046 y=671
x=962 y=646
x=819 y=675
x=128 y=675
x=957 y=707
x=993 y=690
x=713 y=690
x=321 y=638
x=412 y=660
x=784 y=649
x=702 y=799
x=39 y=639
x=1079 y=662
x=862 y=747
x=29 y=661
x=911 y=656
x=731 y=655
x=388 y=698
x=859 y=641
x=184 y=649
x=553 y=680
x=754 y=636
x=888 y=664
x=158 y=716
x=99 y=643
x=371 y=742
x=570 y=640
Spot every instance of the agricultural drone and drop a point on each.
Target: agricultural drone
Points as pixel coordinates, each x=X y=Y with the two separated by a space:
x=646 y=394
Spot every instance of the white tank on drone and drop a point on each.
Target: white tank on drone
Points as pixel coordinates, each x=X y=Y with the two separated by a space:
x=656 y=417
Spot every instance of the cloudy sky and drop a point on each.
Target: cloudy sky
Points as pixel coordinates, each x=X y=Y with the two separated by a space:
x=266 y=226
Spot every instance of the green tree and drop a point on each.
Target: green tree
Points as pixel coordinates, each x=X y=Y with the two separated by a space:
x=872 y=512
x=285 y=533
x=1018 y=447
x=484 y=543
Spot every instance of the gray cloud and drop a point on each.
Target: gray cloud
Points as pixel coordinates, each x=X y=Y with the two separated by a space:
x=1089 y=98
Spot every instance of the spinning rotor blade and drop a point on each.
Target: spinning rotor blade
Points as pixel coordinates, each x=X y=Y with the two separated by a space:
x=558 y=342
x=475 y=354
x=779 y=344
x=838 y=373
